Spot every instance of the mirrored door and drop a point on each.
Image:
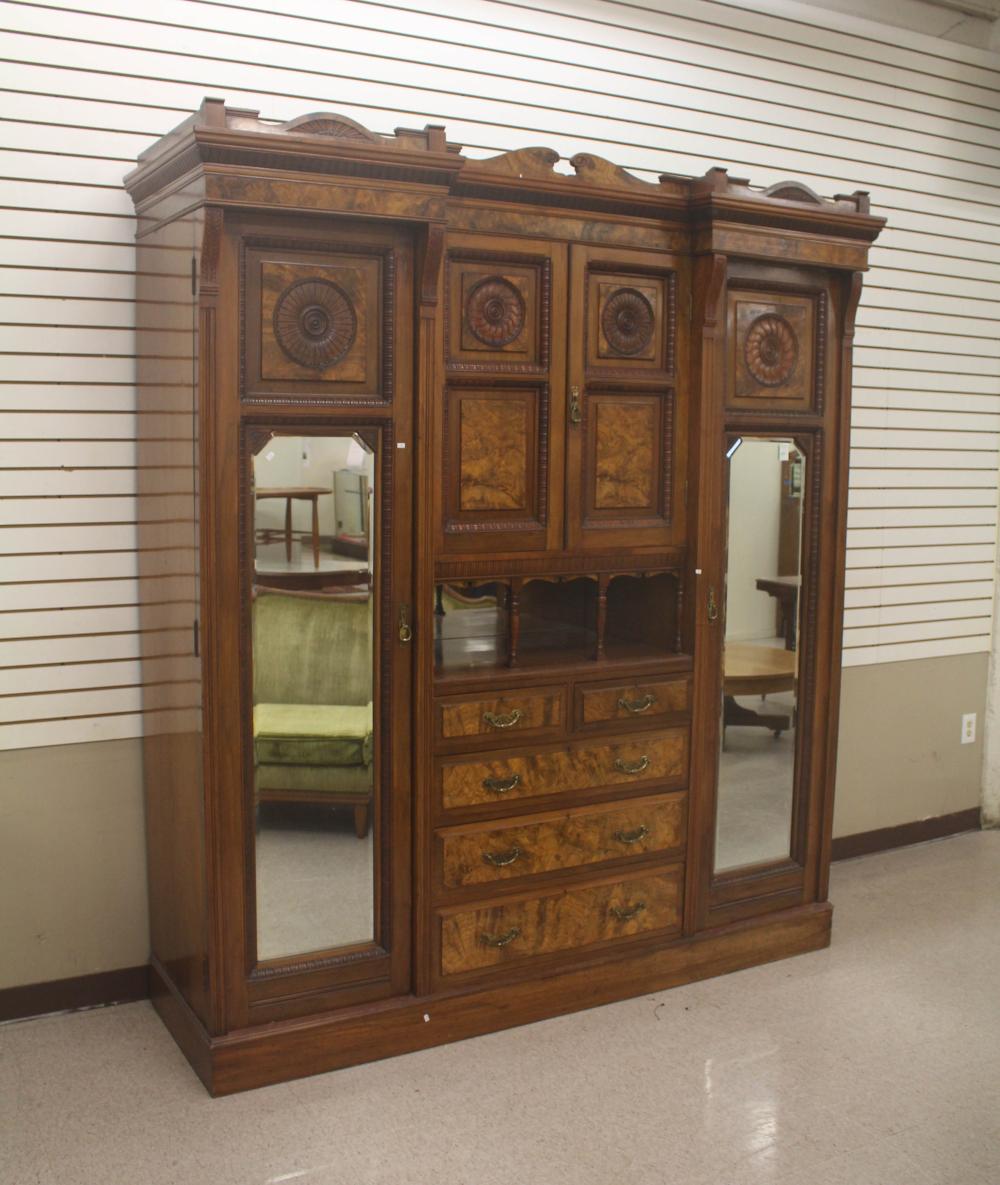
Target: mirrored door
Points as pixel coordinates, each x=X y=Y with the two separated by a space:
x=758 y=800
x=325 y=684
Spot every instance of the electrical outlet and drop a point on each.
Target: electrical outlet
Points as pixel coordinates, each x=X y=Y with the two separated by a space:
x=968 y=728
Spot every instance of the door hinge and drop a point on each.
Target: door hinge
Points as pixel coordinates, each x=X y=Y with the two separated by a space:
x=194 y=277
x=196 y=632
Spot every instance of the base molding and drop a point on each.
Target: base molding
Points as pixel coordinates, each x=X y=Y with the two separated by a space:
x=122 y=986
x=864 y=843
x=249 y=1058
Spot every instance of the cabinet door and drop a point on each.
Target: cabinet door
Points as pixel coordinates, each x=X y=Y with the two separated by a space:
x=500 y=419
x=625 y=413
x=311 y=584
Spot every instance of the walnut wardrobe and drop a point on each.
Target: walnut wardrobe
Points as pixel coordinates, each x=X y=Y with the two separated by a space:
x=491 y=553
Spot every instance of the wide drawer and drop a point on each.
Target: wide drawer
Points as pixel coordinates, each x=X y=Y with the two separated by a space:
x=533 y=712
x=524 y=927
x=481 y=853
x=644 y=702
x=653 y=757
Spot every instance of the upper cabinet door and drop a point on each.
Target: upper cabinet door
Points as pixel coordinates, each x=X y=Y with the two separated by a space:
x=501 y=415
x=626 y=416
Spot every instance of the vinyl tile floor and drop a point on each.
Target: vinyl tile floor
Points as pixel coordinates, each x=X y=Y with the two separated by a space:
x=875 y=1062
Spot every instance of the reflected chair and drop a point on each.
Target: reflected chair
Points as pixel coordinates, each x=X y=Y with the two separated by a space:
x=312 y=716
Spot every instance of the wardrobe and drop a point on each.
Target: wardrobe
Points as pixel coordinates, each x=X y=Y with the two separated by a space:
x=492 y=530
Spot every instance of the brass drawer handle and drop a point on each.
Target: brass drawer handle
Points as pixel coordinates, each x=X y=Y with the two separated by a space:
x=500 y=940
x=640 y=766
x=627 y=913
x=632 y=836
x=502 y=721
x=501 y=785
x=638 y=705
x=503 y=859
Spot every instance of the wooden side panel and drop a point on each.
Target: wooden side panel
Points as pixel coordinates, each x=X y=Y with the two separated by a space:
x=169 y=583
x=497 y=935
x=658 y=757
x=484 y=853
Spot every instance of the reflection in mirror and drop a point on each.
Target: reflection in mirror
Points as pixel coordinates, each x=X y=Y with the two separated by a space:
x=758 y=727
x=313 y=718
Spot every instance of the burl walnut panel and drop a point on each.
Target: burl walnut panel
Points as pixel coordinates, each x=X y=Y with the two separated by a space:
x=567 y=920
x=657 y=757
x=545 y=843
x=533 y=711
x=626 y=452
x=493 y=449
x=638 y=702
x=773 y=343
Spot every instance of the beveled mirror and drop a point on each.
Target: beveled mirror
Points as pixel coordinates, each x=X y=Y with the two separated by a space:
x=756 y=801
x=315 y=720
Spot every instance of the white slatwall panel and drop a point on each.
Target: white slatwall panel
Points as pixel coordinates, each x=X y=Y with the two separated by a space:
x=655 y=85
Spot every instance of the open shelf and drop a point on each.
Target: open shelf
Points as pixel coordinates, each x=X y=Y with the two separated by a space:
x=556 y=621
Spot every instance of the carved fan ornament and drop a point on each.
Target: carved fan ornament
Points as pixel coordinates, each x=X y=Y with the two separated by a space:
x=494 y=312
x=315 y=323
x=628 y=321
x=771 y=350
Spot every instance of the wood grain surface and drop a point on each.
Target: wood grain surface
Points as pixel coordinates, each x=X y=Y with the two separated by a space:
x=482 y=853
x=559 y=771
x=559 y=921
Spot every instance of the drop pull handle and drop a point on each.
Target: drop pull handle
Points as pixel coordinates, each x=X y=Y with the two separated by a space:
x=628 y=912
x=637 y=705
x=503 y=859
x=575 y=410
x=636 y=767
x=501 y=785
x=500 y=940
x=508 y=721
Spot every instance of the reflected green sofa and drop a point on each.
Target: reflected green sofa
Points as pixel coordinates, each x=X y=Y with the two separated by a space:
x=312 y=694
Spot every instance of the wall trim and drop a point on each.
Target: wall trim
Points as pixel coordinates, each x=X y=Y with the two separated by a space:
x=122 y=986
x=864 y=843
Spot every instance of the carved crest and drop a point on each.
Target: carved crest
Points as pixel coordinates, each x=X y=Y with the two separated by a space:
x=336 y=127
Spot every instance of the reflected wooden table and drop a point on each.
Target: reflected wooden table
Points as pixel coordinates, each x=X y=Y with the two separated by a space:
x=756 y=670
x=297 y=494
x=785 y=590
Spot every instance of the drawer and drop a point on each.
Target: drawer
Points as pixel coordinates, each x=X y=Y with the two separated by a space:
x=482 y=853
x=643 y=702
x=522 y=927
x=534 y=712
x=654 y=757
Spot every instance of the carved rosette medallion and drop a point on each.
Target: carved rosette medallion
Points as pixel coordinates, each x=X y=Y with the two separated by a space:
x=315 y=323
x=494 y=312
x=771 y=350
x=628 y=321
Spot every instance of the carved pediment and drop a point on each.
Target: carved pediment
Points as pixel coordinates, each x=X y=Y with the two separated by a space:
x=595 y=170
x=523 y=162
x=330 y=125
x=793 y=191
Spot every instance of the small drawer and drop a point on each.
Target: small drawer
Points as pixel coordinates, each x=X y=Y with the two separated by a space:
x=482 y=853
x=655 y=757
x=522 y=927
x=534 y=712
x=651 y=700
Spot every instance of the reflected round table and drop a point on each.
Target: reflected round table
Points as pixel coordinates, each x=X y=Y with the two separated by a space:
x=302 y=494
x=756 y=670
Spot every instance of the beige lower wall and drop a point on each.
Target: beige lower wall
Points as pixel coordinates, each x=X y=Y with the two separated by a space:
x=900 y=759
x=72 y=861
x=72 y=849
